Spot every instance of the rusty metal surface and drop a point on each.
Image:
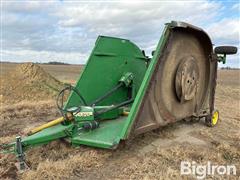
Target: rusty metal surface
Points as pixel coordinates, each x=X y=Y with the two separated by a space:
x=187 y=79
x=172 y=96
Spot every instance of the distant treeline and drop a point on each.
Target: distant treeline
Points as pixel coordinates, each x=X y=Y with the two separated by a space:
x=56 y=63
x=229 y=68
x=50 y=62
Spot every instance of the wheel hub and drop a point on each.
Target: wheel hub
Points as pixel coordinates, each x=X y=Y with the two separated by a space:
x=186 y=79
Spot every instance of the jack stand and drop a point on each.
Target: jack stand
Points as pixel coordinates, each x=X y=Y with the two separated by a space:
x=20 y=155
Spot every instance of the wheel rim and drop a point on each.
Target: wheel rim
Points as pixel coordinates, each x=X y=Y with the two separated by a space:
x=215 y=118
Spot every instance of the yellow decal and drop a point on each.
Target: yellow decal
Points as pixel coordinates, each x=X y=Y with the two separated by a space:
x=84 y=114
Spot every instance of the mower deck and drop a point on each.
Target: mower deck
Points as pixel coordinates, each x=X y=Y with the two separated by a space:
x=178 y=82
x=106 y=136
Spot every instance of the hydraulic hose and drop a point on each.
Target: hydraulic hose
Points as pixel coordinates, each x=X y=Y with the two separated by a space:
x=61 y=107
x=109 y=93
x=129 y=101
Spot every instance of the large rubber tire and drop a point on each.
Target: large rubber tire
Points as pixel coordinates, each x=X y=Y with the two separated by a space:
x=225 y=50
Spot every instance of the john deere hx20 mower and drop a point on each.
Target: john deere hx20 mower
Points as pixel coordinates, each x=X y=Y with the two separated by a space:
x=122 y=93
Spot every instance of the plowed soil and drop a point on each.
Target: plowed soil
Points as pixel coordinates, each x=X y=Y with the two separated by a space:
x=27 y=82
x=154 y=155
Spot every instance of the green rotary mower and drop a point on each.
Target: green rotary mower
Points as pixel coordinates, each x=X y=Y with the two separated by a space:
x=122 y=93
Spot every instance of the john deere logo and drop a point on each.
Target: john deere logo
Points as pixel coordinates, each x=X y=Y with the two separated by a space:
x=84 y=114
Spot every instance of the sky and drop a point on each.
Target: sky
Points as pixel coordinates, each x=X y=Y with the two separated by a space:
x=65 y=31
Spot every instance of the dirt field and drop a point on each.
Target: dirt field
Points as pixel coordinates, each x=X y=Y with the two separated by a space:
x=154 y=155
x=65 y=73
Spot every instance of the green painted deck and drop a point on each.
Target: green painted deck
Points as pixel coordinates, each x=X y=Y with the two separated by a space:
x=106 y=136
